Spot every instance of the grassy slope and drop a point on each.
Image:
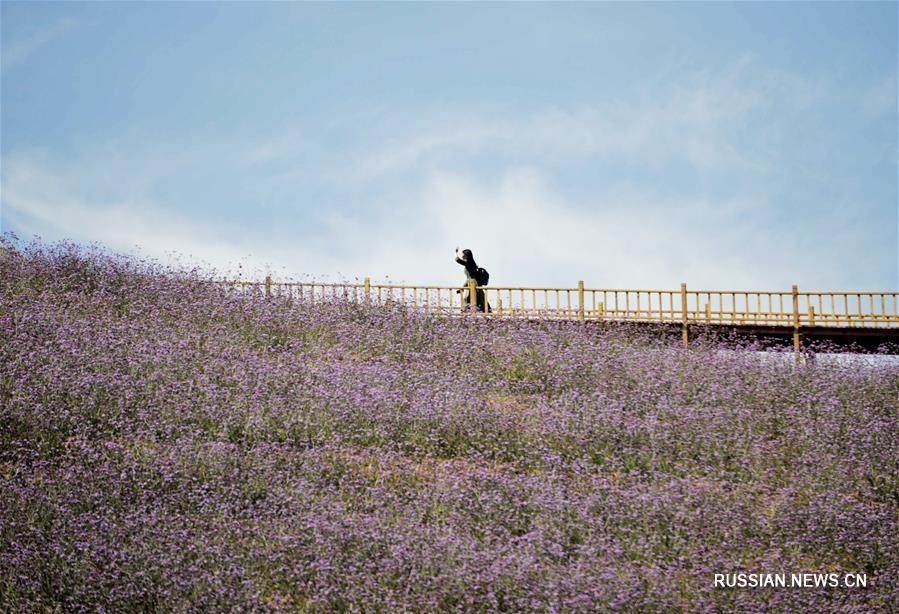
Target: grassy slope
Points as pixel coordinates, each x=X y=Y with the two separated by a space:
x=164 y=445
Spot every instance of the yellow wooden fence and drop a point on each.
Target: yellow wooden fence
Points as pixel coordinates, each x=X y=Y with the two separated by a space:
x=790 y=308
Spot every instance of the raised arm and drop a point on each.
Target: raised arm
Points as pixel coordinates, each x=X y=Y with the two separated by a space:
x=458 y=255
x=466 y=259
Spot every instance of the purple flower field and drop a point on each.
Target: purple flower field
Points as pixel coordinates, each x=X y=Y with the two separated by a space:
x=167 y=445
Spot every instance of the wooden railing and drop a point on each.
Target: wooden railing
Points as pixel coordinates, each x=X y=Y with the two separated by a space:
x=729 y=307
x=792 y=310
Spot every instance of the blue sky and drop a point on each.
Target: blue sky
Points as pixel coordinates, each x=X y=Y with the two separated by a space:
x=749 y=145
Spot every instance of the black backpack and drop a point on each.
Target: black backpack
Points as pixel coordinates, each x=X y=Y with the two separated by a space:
x=482 y=276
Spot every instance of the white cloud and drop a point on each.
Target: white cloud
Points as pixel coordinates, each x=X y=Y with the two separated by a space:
x=881 y=98
x=688 y=124
x=522 y=228
x=702 y=120
x=423 y=195
x=19 y=51
x=54 y=207
x=288 y=143
x=525 y=232
x=686 y=127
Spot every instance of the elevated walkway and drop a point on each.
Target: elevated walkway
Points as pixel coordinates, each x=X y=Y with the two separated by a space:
x=857 y=321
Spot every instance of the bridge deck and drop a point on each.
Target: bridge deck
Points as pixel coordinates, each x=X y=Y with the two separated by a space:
x=844 y=338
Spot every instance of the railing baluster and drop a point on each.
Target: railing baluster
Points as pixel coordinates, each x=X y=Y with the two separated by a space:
x=871 y=309
x=796 y=322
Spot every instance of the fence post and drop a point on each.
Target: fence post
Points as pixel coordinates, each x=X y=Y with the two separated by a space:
x=811 y=315
x=268 y=286
x=796 y=322
x=580 y=300
x=367 y=291
x=685 y=333
x=472 y=293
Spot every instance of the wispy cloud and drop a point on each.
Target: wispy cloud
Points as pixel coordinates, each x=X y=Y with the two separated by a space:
x=396 y=205
x=522 y=227
x=689 y=126
x=46 y=203
x=881 y=98
x=691 y=123
x=526 y=231
x=18 y=51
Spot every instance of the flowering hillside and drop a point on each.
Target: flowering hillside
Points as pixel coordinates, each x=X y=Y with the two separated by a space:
x=167 y=445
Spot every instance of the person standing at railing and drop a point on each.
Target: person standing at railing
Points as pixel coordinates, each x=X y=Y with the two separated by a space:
x=480 y=276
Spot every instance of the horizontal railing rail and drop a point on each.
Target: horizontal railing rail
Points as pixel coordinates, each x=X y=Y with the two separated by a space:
x=728 y=307
x=798 y=311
